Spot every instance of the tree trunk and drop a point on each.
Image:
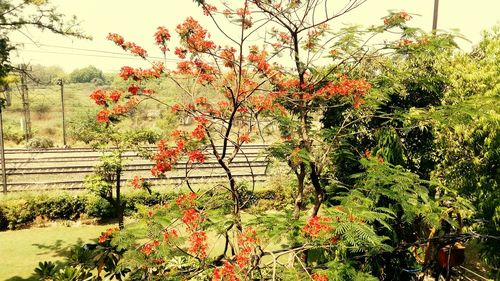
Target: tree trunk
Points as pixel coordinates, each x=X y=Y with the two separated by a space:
x=300 y=191
x=119 y=206
x=318 y=189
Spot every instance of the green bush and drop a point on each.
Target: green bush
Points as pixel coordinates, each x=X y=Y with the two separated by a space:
x=99 y=208
x=40 y=142
x=17 y=213
x=12 y=132
x=60 y=207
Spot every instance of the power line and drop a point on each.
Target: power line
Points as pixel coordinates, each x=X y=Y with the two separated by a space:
x=120 y=55
x=78 y=54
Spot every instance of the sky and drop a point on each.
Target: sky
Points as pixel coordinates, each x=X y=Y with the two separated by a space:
x=137 y=21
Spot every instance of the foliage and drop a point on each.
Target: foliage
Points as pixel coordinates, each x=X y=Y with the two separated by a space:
x=47 y=75
x=13 y=133
x=379 y=216
x=19 y=212
x=40 y=143
x=89 y=74
x=45 y=270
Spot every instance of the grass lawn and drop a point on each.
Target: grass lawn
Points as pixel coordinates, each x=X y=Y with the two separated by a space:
x=21 y=250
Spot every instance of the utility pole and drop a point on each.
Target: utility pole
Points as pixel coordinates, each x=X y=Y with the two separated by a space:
x=2 y=151
x=60 y=83
x=435 y=17
x=26 y=103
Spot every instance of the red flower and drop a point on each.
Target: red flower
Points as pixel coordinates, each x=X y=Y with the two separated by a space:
x=161 y=37
x=137 y=182
x=146 y=249
x=228 y=55
x=99 y=96
x=133 y=89
x=196 y=156
x=186 y=200
x=176 y=107
x=106 y=234
x=225 y=273
x=103 y=115
x=201 y=100
x=319 y=277
x=180 y=52
x=202 y=120
x=165 y=157
x=194 y=36
x=170 y=233
x=118 y=39
x=199 y=132
x=126 y=72
x=208 y=8
x=135 y=49
x=191 y=218
x=198 y=243
x=115 y=96
x=243 y=138
x=316 y=225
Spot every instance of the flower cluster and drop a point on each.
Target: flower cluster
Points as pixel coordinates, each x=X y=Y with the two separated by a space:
x=109 y=102
x=226 y=272
x=139 y=74
x=395 y=19
x=148 y=247
x=194 y=36
x=186 y=200
x=247 y=242
x=346 y=87
x=317 y=225
x=314 y=36
x=319 y=277
x=165 y=157
x=405 y=42
x=228 y=56
x=207 y=9
x=106 y=234
x=259 y=59
x=137 y=183
x=127 y=46
x=192 y=220
x=162 y=36
x=245 y=15
x=169 y=233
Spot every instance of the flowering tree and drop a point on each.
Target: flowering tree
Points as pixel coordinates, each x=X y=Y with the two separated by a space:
x=251 y=82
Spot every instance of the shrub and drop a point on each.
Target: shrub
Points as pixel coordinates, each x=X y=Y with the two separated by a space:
x=17 y=213
x=60 y=207
x=99 y=208
x=40 y=142
x=12 y=132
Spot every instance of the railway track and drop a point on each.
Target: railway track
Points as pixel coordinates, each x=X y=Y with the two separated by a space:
x=67 y=168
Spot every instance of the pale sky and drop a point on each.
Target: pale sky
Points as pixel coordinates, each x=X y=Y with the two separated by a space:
x=137 y=21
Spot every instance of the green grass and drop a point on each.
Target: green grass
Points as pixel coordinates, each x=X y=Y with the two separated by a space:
x=21 y=250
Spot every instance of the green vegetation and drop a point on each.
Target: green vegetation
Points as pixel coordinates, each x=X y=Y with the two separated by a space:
x=392 y=155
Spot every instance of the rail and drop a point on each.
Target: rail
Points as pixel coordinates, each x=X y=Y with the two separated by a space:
x=67 y=168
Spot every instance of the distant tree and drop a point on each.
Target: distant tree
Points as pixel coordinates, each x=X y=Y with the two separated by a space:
x=89 y=74
x=47 y=74
x=16 y=14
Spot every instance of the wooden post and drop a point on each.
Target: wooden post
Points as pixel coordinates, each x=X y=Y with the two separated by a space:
x=435 y=17
x=60 y=83
x=26 y=102
x=2 y=153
